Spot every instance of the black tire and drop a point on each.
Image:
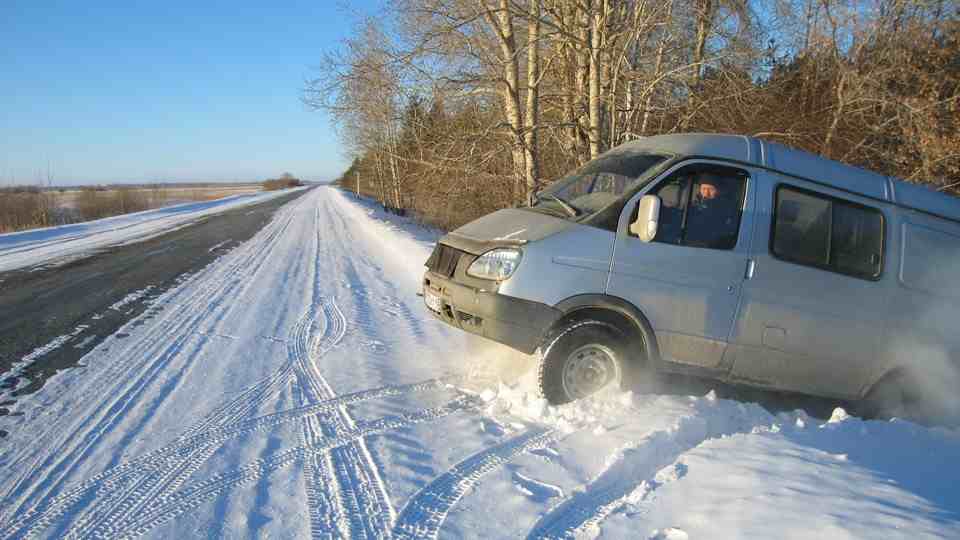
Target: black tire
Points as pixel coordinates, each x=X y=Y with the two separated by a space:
x=884 y=400
x=599 y=338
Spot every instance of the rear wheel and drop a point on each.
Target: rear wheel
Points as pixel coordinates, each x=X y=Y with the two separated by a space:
x=897 y=395
x=581 y=359
x=885 y=399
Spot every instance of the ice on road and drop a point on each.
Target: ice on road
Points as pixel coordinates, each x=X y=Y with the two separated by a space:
x=297 y=388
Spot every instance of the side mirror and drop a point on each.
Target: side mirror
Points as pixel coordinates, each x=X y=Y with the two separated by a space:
x=648 y=216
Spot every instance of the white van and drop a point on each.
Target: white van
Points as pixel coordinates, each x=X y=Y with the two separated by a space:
x=718 y=256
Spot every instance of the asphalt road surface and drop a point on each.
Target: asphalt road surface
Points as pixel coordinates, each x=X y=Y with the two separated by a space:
x=77 y=305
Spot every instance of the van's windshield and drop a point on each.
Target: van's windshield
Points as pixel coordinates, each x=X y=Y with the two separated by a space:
x=597 y=184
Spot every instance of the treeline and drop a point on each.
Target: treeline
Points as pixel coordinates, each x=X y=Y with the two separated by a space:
x=454 y=108
x=285 y=181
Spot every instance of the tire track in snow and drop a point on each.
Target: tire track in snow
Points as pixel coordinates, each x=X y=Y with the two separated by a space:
x=246 y=401
x=424 y=514
x=358 y=492
x=176 y=468
x=191 y=497
x=362 y=492
x=131 y=497
x=122 y=383
x=637 y=466
x=175 y=473
x=324 y=504
x=323 y=497
x=212 y=287
x=120 y=477
x=130 y=487
x=137 y=492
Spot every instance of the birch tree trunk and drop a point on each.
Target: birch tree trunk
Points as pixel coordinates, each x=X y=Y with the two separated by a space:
x=502 y=23
x=378 y=161
x=581 y=18
x=532 y=115
x=705 y=12
x=597 y=17
x=657 y=69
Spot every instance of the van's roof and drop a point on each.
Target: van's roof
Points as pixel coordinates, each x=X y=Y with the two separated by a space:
x=803 y=164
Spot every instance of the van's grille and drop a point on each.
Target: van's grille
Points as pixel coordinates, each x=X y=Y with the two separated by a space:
x=444 y=260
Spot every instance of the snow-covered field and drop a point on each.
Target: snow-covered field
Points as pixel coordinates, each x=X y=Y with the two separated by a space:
x=297 y=388
x=57 y=245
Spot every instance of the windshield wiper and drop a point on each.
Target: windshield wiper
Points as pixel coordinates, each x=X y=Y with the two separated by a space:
x=569 y=208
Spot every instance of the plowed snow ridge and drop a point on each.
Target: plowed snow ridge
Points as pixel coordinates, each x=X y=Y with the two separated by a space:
x=41 y=246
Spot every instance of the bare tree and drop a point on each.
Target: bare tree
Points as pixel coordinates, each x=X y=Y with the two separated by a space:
x=454 y=108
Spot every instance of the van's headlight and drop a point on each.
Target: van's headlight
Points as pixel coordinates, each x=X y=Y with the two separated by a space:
x=496 y=264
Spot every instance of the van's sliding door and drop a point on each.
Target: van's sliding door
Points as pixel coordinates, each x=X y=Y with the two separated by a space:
x=815 y=305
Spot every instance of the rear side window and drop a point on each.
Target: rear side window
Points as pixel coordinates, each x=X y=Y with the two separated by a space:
x=931 y=259
x=828 y=233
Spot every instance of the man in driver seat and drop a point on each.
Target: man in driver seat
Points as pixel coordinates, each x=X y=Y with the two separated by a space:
x=714 y=215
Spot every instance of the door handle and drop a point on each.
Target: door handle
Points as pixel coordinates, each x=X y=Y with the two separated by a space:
x=751 y=266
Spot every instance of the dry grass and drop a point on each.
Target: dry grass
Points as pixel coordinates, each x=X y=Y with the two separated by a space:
x=28 y=207
x=25 y=209
x=207 y=194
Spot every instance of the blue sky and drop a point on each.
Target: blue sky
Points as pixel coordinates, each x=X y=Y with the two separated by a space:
x=139 y=91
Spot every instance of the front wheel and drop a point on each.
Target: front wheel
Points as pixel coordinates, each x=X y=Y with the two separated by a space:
x=579 y=360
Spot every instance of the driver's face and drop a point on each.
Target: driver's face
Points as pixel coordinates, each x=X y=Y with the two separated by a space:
x=708 y=191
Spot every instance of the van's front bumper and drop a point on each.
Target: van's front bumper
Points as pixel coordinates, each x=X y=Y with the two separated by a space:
x=516 y=323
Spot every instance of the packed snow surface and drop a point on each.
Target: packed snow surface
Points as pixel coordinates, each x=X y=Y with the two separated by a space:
x=297 y=388
x=53 y=246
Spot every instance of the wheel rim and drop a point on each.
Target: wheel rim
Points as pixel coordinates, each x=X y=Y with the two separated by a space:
x=588 y=369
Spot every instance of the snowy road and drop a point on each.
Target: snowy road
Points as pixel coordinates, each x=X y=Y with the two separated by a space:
x=296 y=388
x=52 y=315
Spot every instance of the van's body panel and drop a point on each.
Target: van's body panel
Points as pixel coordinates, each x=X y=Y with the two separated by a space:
x=511 y=226
x=797 y=322
x=922 y=331
x=741 y=314
x=917 y=197
x=517 y=323
x=692 y=310
x=729 y=147
x=573 y=261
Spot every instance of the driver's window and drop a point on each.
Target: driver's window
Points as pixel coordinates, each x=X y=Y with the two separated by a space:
x=674 y=193
x=700 y=206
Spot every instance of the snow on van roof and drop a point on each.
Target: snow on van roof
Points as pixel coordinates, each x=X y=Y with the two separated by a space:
x=806 y=165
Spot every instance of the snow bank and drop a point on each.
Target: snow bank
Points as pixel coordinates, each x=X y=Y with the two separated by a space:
x=53 y=245
x=405 y=245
